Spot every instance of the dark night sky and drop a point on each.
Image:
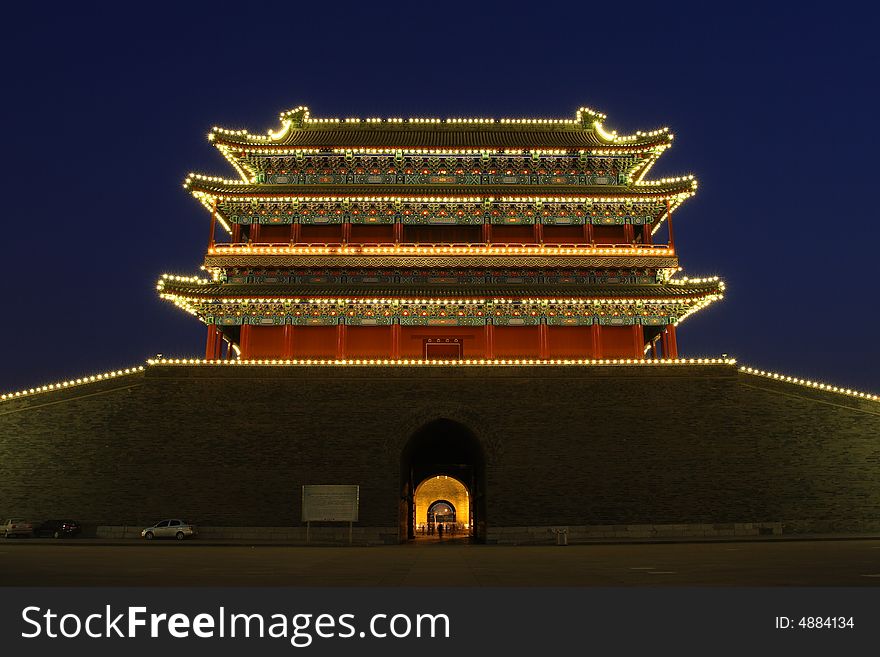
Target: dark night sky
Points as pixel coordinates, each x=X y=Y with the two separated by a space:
x=105 y=111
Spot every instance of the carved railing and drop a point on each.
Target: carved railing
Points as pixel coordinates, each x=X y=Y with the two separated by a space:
x=443 y=247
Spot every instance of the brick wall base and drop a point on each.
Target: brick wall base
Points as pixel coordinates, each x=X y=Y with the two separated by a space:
x=652 y=449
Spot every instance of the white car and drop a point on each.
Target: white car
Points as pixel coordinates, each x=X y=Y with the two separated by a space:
x=179 y=529
x=17 y=527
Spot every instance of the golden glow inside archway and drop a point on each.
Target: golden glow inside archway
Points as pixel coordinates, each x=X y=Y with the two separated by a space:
x=446 y=488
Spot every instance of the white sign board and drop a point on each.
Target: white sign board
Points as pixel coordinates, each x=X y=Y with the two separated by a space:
x=330 y=503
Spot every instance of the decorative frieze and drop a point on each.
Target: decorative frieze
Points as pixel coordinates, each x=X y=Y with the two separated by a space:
x=437 y=312
x=489 y=211
x=530 y=168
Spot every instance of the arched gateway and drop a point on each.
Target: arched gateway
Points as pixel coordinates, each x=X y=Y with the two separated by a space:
x=442 y=500
x=446 y=449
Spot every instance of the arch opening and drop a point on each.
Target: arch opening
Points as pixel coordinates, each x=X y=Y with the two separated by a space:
x=443 y=465
x=439 y=511
x=442 y=500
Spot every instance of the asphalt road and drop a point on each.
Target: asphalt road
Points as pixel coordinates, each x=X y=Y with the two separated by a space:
x=752 y=563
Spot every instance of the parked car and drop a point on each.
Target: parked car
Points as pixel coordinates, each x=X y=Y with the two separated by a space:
x=58 y=529
x=17 y=527
x=179 y=529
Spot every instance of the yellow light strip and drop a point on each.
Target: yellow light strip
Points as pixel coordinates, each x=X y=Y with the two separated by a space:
x=666 y=181
x=471 y=362
x=247 y=173
x=285 y=128
x=444 y=150
x=699 y=305
x=682 y=281
x=583 y=115
x=187 y=279
x=658 y=250
x=604 y=134
x=809 y=384
x=617 y=362
x=707 y=298
x=63 y=385
x=639 y=134
x=286 y=120
x=608 y=149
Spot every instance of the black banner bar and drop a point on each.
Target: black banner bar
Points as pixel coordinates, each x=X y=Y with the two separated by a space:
x=433 y=621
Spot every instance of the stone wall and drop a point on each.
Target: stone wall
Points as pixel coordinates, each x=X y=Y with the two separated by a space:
x=565 y=446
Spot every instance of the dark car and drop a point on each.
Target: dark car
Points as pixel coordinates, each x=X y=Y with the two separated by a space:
x=58 y=529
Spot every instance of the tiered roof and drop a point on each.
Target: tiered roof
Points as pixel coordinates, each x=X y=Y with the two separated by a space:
x=223 y=189
x=265 y=183
x=300 y=130
x=212 y=289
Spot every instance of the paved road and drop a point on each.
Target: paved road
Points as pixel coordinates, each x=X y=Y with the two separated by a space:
x=753 y=563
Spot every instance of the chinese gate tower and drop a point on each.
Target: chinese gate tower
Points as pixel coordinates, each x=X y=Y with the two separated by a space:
x=429 y=239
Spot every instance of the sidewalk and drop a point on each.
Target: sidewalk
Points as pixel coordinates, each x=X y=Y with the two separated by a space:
x=455 y=542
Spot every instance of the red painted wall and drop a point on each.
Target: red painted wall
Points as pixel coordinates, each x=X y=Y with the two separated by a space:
x=279 y=234
x=368 y=342
x=439 y=234
x=372 y=234
x=265 y=342
x=570 y=341
x=618 y=342
x=329 y=234
x=563 y=234
x=513 y=234
x=376 y=341
x=313 y=342
x=608 y=235
x=517 y=342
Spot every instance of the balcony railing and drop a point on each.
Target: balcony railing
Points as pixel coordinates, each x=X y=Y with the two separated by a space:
x=445 y=248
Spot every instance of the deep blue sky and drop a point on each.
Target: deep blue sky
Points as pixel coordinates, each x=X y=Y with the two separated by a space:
x=106 y=110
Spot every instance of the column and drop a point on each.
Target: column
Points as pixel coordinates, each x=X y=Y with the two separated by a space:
x=647 y=237
x=395 y=340
x=295 y=231
x=211 y=345
x=236 y=233
x=672 y=340
x=544 y=335
x=629 y=234
x=398 y=232
x=638 y=341
x=346 y=232
x=288 y=340
x=538 y=232
x=487 y=233
x=244 y=341
x=490 y=341
x=340 y=341
x=588 y=232
x=255 y=233
x=596 y=339
x=664 y=343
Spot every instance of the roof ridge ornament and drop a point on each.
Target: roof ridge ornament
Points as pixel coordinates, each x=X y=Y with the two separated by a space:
x=297 y=116
x=589 y=117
